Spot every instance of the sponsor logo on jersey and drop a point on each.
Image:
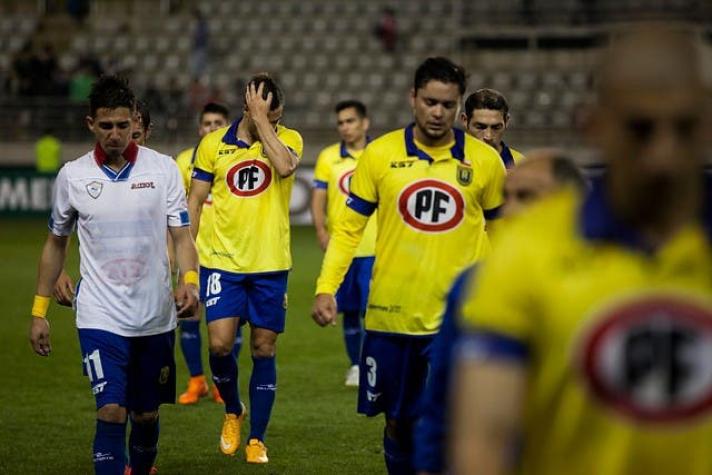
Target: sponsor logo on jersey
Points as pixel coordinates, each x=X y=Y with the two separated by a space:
x=249 y=178
x=650 y=359
x=431 y=206
x=345 y=182
x=143 y=184
x=402 y=163
x=94 y=188
x=124 y=271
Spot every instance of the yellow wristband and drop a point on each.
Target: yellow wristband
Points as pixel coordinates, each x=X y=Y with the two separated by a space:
x=191 y=277
x=39 y=306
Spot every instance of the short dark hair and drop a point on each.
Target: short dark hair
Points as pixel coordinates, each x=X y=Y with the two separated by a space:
x=214 y=108
x=269 y=86
x=440 y=69
x=144 y=114
x=486 y=98
x=352 y=103
x=111 y=92
x=566 y=172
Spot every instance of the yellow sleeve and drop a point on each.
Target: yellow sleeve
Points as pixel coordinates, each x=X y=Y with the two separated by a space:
x=364 y=182
x=205 y=156
x=293 y=141
x=516 y=155
x=322 y=170
x=183 y=161
x=492 y=193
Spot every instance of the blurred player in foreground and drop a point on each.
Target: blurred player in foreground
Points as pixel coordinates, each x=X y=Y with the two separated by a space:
x=332 y=175
x=590 y=325
x=434 y=186
x=486 y=116
x=541 y=174
x=212 y=117
x=121 y=198
x=248 y=169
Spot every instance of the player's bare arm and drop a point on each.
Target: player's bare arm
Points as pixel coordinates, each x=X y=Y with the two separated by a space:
x=318 y=212
x=51 y=263
x=282 y=158
x=64 y=287
x=487 y=404
x=199 y=191
x=186 y=294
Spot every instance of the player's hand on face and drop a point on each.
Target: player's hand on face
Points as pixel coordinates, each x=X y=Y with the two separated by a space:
x=257 y=106
x=64 y=290
x=187 y=301
x=324 y=310
x=39 y=336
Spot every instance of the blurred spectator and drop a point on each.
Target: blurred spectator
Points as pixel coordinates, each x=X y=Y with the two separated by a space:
x=387 y=29
x=176 y=97
x=153 y=98
x=80 y=85
x=201 y=38
x=48 y=153
x=198 y=94
x=78 y=9
x=45 y=72
x=21 y=73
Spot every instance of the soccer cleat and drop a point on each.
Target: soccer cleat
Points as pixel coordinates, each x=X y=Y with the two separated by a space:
x=230 y=435
x=216 y=395
x=352 y=377
x=256 y=452
x=127 y=470
x=197 y=388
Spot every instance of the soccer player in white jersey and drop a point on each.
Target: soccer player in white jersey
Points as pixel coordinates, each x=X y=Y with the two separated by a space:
x=121 y=197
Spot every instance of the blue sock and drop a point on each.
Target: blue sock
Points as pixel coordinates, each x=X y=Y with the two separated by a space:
x=398 y=458
x=238 y=343
x=143 y=446
x=352 y=336
x=109 y=448
x=263 y=387
x=190 y=345
x=224 y=370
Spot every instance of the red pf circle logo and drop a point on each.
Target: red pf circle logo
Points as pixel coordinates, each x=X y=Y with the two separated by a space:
x=249 y=178
x=345 y=182
x=431 y=206
x=651 y=359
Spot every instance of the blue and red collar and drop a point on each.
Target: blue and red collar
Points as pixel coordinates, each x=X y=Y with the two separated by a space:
x=130 y=153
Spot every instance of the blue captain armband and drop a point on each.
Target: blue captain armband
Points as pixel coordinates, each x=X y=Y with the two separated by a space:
x=482 y=345
x=322 y=185
x=202 y=175
x=493 y=213
x=360 y=205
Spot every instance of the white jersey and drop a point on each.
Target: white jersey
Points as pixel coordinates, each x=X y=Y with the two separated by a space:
x=122 y=220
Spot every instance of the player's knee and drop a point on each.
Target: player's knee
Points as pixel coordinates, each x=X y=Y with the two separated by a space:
x=221 y=347
x=144 y=417
x=263 y=349
x=111 y=413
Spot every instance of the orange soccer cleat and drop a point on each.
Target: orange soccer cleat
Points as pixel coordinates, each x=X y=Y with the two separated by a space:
x=197 y=388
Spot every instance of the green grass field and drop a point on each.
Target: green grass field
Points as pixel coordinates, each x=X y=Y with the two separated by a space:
x=47 y=409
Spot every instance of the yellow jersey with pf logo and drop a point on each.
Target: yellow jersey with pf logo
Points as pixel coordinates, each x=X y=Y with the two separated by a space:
x=334 y=168
x=250 y=202
x=185 y=161
x=616 y=338
x=431 y=225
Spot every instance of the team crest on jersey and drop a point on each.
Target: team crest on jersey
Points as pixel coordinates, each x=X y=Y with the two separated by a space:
x=94 y=188
x=249 y=178
x=650 y=359
x=431 y=206
x=464 y=175
x=345 y=182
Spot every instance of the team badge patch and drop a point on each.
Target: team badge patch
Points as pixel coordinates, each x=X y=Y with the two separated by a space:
x=345 y=182
x=94 y=188
x=431 y=206
x=163 y=377
x=650 y=359
x=249 y=178
x=464 y=175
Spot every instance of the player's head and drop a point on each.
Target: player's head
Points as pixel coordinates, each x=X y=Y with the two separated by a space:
x=540 y=174
x=276 y=107
x=142 y=125
x=351 y=121
x=111 y=108
x=438 y=87
x=212 y=117
x=648 y=124
x=486 y=116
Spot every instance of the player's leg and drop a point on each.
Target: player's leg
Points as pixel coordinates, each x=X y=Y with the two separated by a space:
x=105 y=357
x=267 y=305
x=152 y=382
x=347 y=302
x=190 y=344
x=236 y=352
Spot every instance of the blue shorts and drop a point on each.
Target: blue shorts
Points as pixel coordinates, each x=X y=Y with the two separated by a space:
x=352 y=296
x=138 y=373
x=392 y=376
x=260 y=299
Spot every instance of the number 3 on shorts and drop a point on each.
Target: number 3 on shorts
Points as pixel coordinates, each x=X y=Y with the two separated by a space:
x=214 y=286
x=371 y=363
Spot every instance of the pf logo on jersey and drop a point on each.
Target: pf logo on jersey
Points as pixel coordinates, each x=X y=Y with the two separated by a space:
x=345 y=182
x=651 y=359
x=431 y=206
x=249 y=178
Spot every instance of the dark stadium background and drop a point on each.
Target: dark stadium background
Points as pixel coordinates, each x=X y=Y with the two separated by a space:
x=539 y=53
